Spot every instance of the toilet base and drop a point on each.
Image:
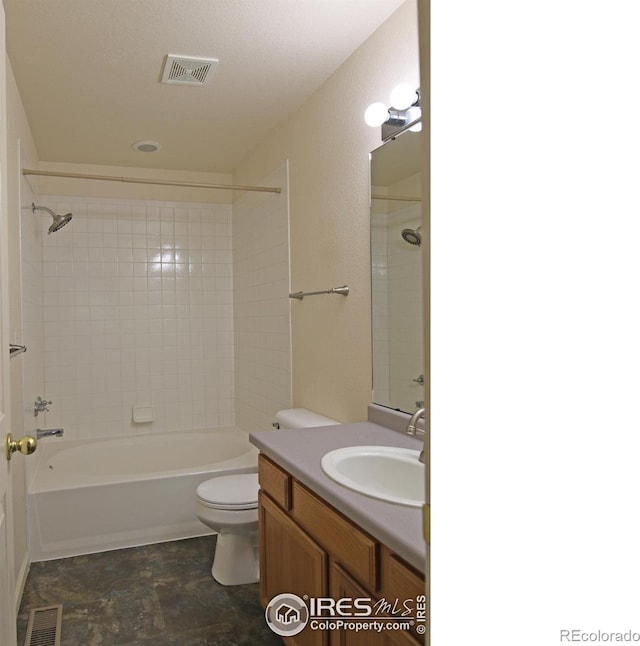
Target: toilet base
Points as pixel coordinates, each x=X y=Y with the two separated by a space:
x=235 y=561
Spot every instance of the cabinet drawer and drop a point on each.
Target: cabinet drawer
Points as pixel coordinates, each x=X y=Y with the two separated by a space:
x=349 y=545
x=274 y=481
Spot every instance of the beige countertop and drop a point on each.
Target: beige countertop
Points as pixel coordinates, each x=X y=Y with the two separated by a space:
x=299 y=452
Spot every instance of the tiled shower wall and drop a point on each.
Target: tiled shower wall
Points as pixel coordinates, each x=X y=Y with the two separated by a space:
x=138 y=310
x=397 y=310
x=404 y=281
x=380 y=308
x=262 y=309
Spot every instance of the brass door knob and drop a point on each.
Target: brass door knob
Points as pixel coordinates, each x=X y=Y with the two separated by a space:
x=26 y=445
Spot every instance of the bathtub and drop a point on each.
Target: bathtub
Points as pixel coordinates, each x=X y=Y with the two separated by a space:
x=95 y=495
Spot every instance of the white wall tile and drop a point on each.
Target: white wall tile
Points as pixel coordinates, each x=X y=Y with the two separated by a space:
x=262 y=316
x=116 y=283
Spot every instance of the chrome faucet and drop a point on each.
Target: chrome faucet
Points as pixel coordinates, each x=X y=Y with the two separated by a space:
x=411 y=426
x=413 y=430
x=49 y=432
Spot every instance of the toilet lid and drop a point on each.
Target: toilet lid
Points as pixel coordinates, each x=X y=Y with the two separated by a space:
x=230 y=492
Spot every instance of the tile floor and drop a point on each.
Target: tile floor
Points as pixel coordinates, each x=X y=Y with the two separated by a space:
x=156 y=595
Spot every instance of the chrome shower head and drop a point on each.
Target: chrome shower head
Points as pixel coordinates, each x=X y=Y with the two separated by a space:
x=58 y=220
x=412 y=236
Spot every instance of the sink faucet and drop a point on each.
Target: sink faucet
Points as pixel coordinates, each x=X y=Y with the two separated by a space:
x=49 y=432
x=411 y=426
x=413 y=430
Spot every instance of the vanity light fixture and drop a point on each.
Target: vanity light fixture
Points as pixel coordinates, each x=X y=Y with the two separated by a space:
x=405 y=112
x=403 y=96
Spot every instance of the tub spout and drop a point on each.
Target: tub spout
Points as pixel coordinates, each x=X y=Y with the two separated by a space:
x=49 y=432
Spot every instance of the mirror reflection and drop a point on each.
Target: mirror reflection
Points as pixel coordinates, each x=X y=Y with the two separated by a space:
x=396 y=274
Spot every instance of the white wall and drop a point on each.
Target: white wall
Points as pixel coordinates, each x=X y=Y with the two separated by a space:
x=138 y=310
x=327 y=144
x=262 y=308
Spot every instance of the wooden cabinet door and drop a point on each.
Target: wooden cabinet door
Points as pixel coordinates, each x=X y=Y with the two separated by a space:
x=290 y=562
x=400 y=581
x=399 y=639
x=342 y=585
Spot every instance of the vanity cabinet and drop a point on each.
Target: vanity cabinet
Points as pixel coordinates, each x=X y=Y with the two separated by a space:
x=309 y=548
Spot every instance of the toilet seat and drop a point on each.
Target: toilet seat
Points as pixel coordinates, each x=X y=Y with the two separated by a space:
x=235 y=492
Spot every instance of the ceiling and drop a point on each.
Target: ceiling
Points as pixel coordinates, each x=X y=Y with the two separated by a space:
x=89 y=73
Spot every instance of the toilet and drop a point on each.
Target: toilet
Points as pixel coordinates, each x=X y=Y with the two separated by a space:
x=228 y=504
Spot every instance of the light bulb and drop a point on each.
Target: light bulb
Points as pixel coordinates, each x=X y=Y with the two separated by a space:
x=416 y=127
x=376 y=114
x=403 y=96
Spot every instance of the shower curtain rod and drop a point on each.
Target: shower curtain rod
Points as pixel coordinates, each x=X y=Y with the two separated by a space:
x=397 y=198
x=159 y=182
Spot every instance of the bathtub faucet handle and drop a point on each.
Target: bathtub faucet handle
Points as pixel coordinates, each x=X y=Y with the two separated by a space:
x=41 y=406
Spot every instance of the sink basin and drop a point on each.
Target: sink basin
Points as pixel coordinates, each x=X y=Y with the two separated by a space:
x=384 y=472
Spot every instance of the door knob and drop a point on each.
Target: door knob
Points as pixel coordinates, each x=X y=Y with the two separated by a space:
x=26 y=445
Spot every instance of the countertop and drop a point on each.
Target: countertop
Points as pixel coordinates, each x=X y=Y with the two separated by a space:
x=299 y=452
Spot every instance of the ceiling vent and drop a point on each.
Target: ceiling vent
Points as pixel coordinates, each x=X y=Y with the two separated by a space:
x=187 y=70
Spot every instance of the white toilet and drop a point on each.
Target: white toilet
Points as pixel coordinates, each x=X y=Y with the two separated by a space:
x=229 y=505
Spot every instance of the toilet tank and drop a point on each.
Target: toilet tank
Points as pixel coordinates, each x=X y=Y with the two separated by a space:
x=301 y=418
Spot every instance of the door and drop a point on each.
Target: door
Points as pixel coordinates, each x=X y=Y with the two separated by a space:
x=7 y=586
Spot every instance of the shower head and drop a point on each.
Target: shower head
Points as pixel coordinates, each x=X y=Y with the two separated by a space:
x=58 y=220
x=412 y=236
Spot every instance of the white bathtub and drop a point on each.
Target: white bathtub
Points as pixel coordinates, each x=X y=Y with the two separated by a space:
x=95 y=495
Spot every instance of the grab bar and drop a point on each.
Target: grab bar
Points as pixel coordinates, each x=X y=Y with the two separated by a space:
x=344 y=290
x=15 y=349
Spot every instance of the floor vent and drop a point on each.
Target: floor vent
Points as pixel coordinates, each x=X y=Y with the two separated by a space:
x=44 y=626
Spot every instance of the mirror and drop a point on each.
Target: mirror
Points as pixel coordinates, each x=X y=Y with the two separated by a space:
x=396 y=274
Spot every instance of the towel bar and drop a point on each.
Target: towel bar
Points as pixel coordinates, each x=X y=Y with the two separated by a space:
x=15 y=349
x=344 y=290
